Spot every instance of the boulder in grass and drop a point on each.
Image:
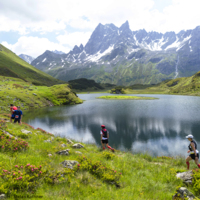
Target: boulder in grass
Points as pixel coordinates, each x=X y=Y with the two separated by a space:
x=2 y=196
x=63 y=145
x=78 y=152
x=63 y=152
x=69 y=163
x=185 y=176
x=69 y=141
x=26 y=131
x=49 y=141
x=78 y=146
x=183 y=192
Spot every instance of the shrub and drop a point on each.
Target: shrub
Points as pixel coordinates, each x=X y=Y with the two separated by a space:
x=99 y=170
x=108 y=155
x=11 y=144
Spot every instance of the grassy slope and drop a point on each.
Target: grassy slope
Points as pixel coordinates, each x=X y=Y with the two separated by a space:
x=143 y=177
x=181 y=86
x=19 y=92
x=13 y=66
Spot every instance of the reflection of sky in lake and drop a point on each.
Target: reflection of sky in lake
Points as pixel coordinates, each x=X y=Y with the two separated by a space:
x=157 y=126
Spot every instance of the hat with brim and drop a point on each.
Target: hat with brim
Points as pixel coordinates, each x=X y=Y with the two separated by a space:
x=189 y=136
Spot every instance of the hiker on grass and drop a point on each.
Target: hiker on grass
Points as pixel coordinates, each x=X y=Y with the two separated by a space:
x=12 y=109
x=104 y=138
x=194 y=153
x=18 y=115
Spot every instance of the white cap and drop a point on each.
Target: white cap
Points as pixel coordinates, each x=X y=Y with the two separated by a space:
x=189 y=136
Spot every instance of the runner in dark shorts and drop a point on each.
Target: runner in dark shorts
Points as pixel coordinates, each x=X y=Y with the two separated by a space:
x=194 y=153
x=18 y=115
x=104 y=138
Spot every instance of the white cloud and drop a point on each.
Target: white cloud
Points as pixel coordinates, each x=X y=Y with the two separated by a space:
x=51 y=15
x=75 y=38
x=34 y=46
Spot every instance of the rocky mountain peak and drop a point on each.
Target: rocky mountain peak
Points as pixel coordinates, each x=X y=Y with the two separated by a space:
x=124 y=26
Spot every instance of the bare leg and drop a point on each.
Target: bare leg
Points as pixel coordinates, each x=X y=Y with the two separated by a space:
x=103 y=145
x=187 y=162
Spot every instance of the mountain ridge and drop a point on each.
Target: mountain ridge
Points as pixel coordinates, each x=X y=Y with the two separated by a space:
x=121 y=56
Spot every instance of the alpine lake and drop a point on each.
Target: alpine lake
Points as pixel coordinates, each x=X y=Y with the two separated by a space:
x=155 y=126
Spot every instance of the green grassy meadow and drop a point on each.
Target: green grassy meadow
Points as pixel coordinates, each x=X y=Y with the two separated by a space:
x=99 y=175
x=27 y=95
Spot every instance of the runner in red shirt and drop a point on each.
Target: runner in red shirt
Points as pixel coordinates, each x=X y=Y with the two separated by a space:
x=104 y=138
x=12 y=110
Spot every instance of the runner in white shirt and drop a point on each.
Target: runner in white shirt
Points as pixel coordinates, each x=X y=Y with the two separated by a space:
x=104 y=138
x=194 y=153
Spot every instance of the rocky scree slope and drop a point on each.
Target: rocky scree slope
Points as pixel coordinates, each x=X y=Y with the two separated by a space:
x=124 y=57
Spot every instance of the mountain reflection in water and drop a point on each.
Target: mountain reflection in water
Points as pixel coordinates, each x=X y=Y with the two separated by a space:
x=157 y=126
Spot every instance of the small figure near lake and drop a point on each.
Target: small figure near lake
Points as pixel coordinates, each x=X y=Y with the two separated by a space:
x=18 y=115
x=194 y=153
x=104 y=138
x=12 y=109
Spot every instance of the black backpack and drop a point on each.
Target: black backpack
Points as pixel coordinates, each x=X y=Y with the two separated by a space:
x=105 y=133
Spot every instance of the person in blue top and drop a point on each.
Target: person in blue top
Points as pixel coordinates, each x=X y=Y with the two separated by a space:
x=18 y=115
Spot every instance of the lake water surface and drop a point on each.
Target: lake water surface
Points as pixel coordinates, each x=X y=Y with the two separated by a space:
x=157 y=126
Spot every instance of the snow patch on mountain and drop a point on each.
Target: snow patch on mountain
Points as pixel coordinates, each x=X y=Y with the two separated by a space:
x=98 y=55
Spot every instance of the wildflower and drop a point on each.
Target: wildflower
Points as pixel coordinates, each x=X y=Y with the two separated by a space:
x=115 y=171
x=28 y=165
x=40 y=172
x=14 y=174
x=40 y=166
x=32 y=169
x=16 y=166
x=16 y=178
x=2 y=146
x=78 y=165
x=20 y=177
x=21 y=166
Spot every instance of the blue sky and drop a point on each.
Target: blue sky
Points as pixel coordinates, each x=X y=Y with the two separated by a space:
x=33 y=26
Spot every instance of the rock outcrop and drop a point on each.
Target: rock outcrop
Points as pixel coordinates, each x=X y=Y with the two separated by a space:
x=69 y=163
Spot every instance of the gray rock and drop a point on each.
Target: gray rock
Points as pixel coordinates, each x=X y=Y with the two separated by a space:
x=63 y=145
x=69 y=163
x=183 y=192
x=48 y=141
x=2 y=196
x=34 y=94
x=9 y=134
x=69 y=141
x=78 y=146
x=26 y=131
x=63 y=152
x=185 y=176
x=78 y=152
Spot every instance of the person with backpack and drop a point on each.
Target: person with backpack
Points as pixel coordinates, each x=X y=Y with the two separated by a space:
x=12 y=109
x=194 y=153
x=104 y=138
x=18 y=115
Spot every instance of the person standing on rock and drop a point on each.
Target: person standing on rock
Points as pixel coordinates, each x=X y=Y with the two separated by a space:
x=12 y=109
x=194 y=153
x=18 y=115
x=104 y=138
